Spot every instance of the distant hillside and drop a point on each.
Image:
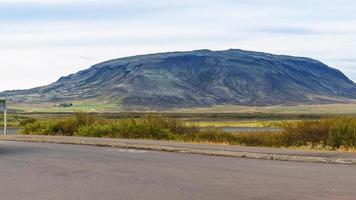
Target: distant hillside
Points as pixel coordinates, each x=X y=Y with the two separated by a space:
x=198 y=79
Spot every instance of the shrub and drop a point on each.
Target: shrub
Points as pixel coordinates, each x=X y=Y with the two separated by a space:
x=301 y=133
x=131 y=129
x=269 y=139
x=26 y=121
x=83 y=119
x=210 y=135
x=343 y=133
x=38 y=128
x=333 y=132
x=63 y=126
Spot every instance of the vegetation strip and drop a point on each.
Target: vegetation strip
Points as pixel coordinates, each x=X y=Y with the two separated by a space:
x=211 y=152
x=327 y=134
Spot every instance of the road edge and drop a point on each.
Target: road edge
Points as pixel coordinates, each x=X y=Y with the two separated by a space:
x=151 y=147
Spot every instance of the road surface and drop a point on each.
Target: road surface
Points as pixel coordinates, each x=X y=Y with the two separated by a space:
x=10 y=131
x=35 y=171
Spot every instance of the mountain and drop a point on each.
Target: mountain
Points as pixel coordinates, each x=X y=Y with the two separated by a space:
x=198 y=79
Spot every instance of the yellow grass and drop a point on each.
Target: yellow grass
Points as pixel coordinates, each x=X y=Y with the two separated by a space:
x=298 y=109
x=249 y=123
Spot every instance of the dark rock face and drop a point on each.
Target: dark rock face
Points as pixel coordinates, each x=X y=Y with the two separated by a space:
x=199 y=78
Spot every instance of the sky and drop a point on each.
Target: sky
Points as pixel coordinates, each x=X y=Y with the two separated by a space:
x=42 y=40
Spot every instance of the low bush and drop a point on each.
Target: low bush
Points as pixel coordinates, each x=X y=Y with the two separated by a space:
x=210 y=136
x=26 y=121
x=331 y=132
x=342 y=133
x=301 y=133
x=267 y=139
x=131 y=129
x=62 y=126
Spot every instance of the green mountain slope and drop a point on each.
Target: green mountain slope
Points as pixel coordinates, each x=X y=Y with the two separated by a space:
x=197 y=79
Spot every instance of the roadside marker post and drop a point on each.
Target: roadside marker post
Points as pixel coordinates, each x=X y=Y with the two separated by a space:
x=3 y=108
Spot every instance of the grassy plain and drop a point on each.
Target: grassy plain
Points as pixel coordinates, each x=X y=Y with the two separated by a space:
x=13 y=120
x=107 y=107
x=334 y=128
x=87 y=106
x=305 y=125
x=233 y=124
x=322 y=109
x=216 y=116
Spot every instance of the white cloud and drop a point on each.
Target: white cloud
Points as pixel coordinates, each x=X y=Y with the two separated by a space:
x=37 y=48
x=55 y=2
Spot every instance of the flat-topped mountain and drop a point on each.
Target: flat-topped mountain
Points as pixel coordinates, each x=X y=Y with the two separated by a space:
x=198 y=79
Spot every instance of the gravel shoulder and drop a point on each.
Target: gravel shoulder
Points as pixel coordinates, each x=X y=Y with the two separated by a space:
x=331 y=157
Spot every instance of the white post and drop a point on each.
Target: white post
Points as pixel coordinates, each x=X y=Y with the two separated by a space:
x=5 y=122
x=3 y=107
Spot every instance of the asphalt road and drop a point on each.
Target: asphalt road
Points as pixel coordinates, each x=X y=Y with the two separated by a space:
x=36 y=171
x=10 y=131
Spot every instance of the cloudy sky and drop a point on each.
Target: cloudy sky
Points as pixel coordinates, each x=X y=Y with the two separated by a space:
x=41 y=40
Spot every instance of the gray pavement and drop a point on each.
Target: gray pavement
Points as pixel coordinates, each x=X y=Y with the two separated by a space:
x=35 y=171
x=10 y=131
